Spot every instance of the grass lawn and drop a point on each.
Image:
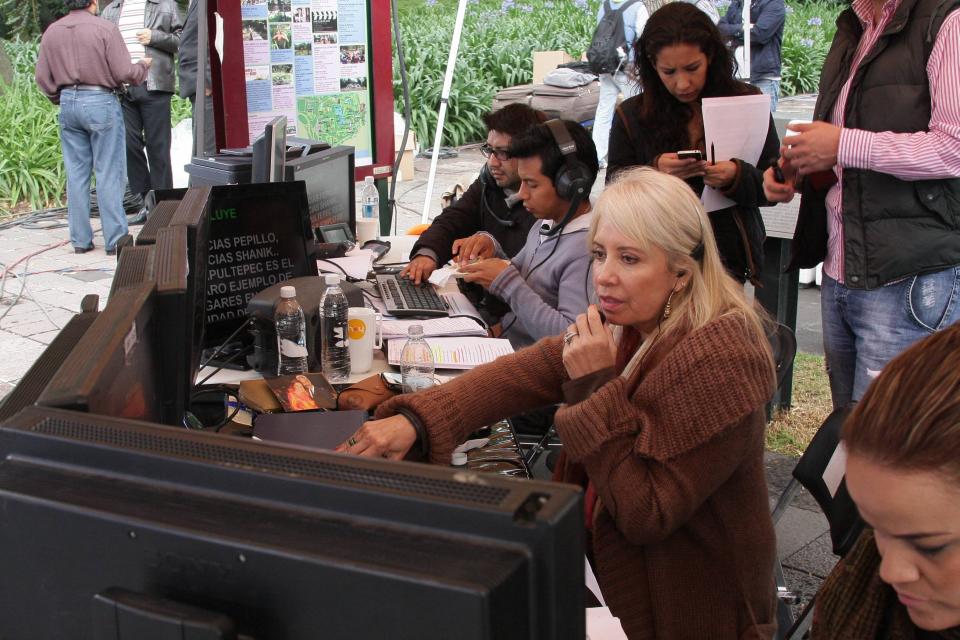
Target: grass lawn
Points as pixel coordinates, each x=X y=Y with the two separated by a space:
x=791 y=430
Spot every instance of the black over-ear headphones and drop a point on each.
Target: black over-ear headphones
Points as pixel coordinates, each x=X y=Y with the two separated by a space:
x=572 y=177
x=486 y=180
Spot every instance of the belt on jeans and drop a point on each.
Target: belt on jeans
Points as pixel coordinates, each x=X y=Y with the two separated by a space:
x=87 y=87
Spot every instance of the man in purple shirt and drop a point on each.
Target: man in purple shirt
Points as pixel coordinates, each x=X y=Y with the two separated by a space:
x=82 y=62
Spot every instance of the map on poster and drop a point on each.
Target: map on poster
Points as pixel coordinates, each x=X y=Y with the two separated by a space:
x=308 y=60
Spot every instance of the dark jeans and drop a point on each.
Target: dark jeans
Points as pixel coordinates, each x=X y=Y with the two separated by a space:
x=146 y=115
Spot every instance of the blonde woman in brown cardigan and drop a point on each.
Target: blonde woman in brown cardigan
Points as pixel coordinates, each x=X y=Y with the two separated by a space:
x=663 y=421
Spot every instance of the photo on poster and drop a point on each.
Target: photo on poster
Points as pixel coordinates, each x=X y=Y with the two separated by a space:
x=324 y=38
x=253 y=74
x=301 y=15
x=280 y=16
x=254 y=30
x=353 y=54
x=353 y=84
x=278 y=5
x=281 y=36
x=302 y=49
x=324 y=20
x=250 y=3
x=282 y=74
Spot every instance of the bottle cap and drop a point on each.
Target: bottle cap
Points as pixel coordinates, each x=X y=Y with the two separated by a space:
x=458 y=459
x=415 y=330
x=331 y=279
x=288 y=292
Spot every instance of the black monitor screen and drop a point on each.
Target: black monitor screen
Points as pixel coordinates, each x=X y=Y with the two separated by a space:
x=104 y=523
x=259 y=235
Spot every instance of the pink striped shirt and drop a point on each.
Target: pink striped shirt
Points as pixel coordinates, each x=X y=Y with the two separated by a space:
x=923 y=155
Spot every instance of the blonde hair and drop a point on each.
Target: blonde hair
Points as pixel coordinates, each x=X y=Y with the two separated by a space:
x=654 y=208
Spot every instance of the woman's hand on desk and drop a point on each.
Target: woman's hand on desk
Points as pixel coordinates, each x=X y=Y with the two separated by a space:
x=479 y=246
x=419 y=269
x=484 y=272
x=588 y=345
x=389 y=438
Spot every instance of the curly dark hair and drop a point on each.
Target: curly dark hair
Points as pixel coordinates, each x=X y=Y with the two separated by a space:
x=673 y=24
x=72 y=5
x=513 y=119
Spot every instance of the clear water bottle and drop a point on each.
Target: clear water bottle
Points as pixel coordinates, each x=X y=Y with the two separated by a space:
x=416 y=361
x=291 y=333
x=334 y=341
x=368 y=226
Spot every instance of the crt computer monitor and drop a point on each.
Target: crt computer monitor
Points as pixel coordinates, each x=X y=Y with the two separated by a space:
x=273 y=542
x=113 y=370
x=270 y=152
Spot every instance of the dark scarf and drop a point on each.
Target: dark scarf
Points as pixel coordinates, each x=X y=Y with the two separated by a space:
x=854 y=602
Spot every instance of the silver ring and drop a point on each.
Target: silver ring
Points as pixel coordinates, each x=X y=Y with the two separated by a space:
x=569 y=336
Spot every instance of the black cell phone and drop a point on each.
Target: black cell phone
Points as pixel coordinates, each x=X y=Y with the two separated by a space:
x=379 y=248
x=690 y=154
x=777 y=171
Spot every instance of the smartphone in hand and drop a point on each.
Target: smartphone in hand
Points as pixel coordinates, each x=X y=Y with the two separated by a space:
x=690 y=154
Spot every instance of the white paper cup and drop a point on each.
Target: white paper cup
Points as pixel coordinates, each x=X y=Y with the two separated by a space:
x=367 y=229
x=363 y=327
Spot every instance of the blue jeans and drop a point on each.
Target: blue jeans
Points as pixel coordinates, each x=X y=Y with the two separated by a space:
x=863 y=330
x=771 y=88
x=610 y=87
x=92 y=137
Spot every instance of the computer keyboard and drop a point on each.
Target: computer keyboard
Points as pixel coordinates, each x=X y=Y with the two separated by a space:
x=403 y=298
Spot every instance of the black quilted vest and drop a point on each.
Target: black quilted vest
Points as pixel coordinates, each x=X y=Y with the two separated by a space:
x=892 y=228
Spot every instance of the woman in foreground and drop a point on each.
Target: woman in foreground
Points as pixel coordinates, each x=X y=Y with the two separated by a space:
x=902 y=579
x=663 y=422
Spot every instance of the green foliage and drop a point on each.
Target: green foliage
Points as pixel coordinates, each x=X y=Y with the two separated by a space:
x=26 y=19
x=180 y=110
x=806 y=40
x=31 y=168
x=495 y=51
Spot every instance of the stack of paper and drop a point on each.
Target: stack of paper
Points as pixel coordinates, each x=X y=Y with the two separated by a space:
x=456 y=353
x=433 y=327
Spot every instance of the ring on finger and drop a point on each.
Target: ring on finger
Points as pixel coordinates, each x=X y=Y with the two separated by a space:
x=352 y=441
x=569 y=336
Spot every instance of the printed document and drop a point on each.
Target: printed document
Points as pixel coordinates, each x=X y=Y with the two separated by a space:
x=734 y=127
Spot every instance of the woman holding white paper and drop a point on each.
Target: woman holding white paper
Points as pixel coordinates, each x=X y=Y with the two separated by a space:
x=662 y=422
x=681 y=59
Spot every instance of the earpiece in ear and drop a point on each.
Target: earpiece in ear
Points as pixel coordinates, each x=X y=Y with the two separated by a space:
x=681 y=273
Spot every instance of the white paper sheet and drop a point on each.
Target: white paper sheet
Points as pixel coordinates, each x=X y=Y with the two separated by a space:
x=456 y=353
x=440 y=276
x=356 y=264
x=734 y=127
x=601 y=625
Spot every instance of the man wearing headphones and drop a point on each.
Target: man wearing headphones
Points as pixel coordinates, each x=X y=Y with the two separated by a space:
x=548 y=283
x=490 y=206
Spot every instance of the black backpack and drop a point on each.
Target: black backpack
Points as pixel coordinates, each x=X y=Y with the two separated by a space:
x=607 y=39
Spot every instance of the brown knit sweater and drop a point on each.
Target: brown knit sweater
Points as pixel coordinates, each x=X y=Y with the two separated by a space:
x=682 y=540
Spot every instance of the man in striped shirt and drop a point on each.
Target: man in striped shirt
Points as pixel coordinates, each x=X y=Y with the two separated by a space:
x=879 y=172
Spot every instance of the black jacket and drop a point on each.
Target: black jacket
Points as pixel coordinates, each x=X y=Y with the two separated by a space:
x=163 y=19
x=892 y=228
x=187 y=55
x=766 y=34
x=738 y=229
x=481 y=208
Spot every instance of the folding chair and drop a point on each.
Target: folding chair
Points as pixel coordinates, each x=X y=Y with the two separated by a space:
x=838 y=507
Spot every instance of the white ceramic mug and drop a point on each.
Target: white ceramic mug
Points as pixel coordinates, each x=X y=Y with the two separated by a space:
x=363 y=327
x=367 y=229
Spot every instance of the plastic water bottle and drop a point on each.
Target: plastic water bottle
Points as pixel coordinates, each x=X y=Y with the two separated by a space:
x=368 y=226
x=291 y=333
x=416 y=361
x=334 y=341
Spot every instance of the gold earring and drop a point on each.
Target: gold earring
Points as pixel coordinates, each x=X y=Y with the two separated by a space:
x=666 y=308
